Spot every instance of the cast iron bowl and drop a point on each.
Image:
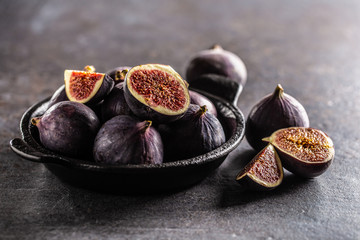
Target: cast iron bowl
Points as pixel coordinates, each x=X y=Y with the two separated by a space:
x=133 y=178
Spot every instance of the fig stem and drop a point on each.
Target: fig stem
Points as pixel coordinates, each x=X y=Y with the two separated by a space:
x=279 y=91
x=216 y=47
x=202 y=110
x=266 y=139
x=120 y=75
x=35 y=121
x=89 y=68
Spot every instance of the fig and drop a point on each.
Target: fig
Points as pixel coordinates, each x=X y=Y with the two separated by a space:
x=114 y=104
x=201 y=100
x=196 y=133
x=68 y=128
x=263 y=172
x=217 y=61
x=306 y=152
x=126 y=140
x=118 y=74
x=58 y=96
x=87 y=86
x=156 y=92
x=274 y=111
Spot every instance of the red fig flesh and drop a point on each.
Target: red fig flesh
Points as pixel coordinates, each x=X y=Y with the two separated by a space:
x=306 y=152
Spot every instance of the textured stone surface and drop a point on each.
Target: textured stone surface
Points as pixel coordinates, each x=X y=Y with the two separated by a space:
x=310 y=47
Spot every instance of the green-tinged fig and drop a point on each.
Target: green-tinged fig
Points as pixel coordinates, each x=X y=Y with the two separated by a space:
x=274 y=111
x=87 y=86
x=156 y=92
x=216 y=61
x=306 y=152
x=126 y=140
x=263 y=172
x=196 y=133
x=68 y=128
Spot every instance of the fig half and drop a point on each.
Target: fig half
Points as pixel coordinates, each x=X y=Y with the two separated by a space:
x=306 y=152
x=87 y=86
x=263 y=172
x=156 y=92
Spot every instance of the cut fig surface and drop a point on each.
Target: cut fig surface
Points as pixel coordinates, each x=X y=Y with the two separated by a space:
x=87 y=86
x=263 y=172
x=156 y=91
x=307 y=152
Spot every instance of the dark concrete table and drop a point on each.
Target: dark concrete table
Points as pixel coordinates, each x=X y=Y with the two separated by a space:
x=310 y=47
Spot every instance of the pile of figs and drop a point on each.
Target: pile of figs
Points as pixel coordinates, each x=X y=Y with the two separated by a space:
x=144 y=114
x=278 y=127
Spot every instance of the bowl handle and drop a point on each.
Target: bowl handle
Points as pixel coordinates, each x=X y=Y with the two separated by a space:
x=26 y=151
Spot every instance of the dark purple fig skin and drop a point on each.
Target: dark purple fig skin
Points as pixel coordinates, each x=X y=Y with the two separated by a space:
x=216 y=61
x=58 y=96
x=192 y=135
x=254 y=184
x=126 y=140
x=114 y=104
x=201 y=100
x=116 y=75
x=274 y=111
x=106 y=87
x=68 y=128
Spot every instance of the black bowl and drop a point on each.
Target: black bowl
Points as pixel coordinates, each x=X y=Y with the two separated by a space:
x=131 y=178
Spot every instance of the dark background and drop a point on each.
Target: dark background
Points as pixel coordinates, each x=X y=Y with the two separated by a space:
x=310 y=47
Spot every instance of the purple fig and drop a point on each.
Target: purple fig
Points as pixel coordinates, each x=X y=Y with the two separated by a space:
x=156 y=92
x=68 y=128
x=306 y=152
x=58 y=96
x=201 y=100
x=196 y=133
x=114 y=104
x=274 y=111
x=126 y=140
x=118 y=74
x=216 y=61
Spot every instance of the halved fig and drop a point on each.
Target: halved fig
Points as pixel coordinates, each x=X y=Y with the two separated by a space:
x=306 y=152
x=263 y=172
x=156 y=92
x=87 y=86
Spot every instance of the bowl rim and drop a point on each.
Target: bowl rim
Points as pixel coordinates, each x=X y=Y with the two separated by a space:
x=43 y=155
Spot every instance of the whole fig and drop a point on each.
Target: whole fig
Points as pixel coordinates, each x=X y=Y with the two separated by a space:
x=273 y=112
x=114 y=104
x=216 y=61
x=58 y=96
x=126 y=140
x=118 y=74
x=68 y=128
x=201 y=100
x=196 y=133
